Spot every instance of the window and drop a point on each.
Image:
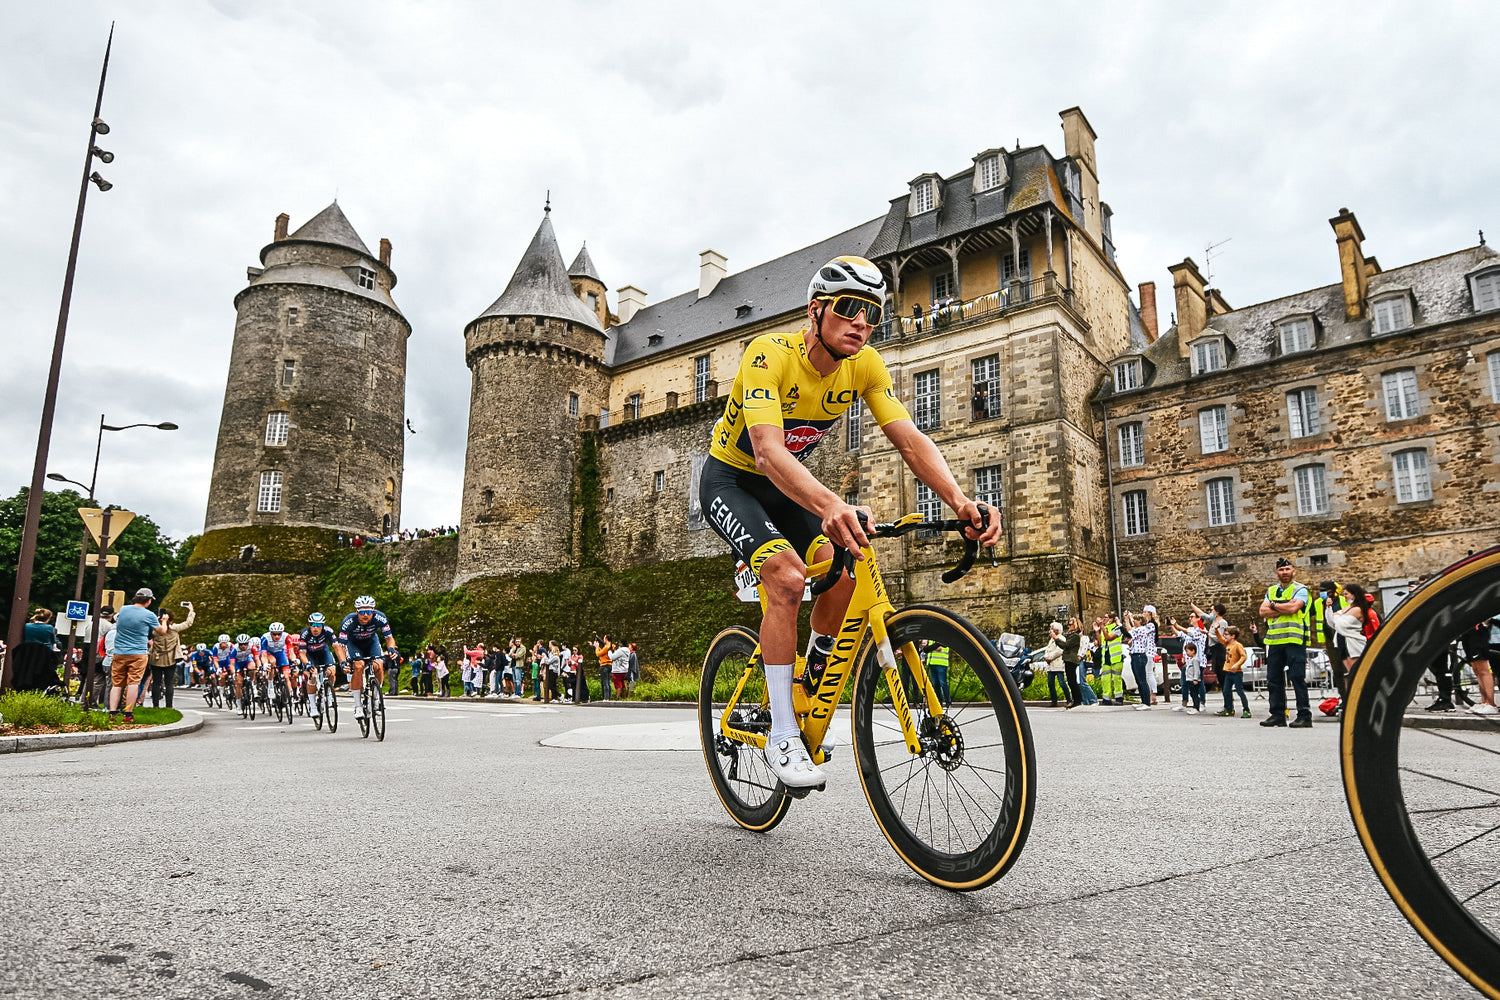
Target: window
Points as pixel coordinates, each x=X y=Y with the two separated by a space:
x=654 y=340
x=743 y=310
x=291 y=315
x=269 y=501
x=593 y=300
x=572 y=404
x=928 y=504
x=989 y=173
x=922 y=197
x=855 y=430
x=366 y=278
x=1136 y=522
x=1487 y=291
x=928 y=402
x=1318 y=560
x=1302 y=413
x=288 y=371
x=1008 y=267
x=1226 y=569
x=1312 y=489
x=633 y=406
x=1132 y=444
x=1400 y=394
x=700 y=378
x=1208 y=356
x=659 y=481
x=986 y=401
x=1493 y=360
x=1127 y=375
x=942 y=285
x=1220 y=502
x=1213 y=429
x=1138 y=576
x=374 y=377
x=1296 y=335
x=1412 y=480
x=1391 y=314
x=987 y=486
x=276 y=427
x=852 y=498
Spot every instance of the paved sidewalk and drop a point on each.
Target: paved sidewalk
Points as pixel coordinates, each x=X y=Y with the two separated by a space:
x=191 y=722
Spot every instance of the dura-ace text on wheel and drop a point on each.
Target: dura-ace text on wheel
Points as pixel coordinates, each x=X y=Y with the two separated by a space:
x=1426 y=800
x=959 y=810
x=741 y=776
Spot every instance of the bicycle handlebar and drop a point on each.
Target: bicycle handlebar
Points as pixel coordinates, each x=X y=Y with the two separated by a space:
x=843 y=561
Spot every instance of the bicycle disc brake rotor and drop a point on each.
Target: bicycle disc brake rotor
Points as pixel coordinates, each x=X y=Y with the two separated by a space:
x=942 y=739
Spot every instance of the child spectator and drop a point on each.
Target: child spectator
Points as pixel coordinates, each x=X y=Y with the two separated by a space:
x=619 y=668
x=1233 y=676
x=1192 y=676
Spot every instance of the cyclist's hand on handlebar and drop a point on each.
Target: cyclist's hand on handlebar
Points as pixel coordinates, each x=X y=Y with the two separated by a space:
x=977 y=531
x=841 y=525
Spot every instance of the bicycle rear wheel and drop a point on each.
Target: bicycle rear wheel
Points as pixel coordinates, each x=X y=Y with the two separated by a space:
x=1426 y=800
x=740 y=774
x=377 y=713
x=331 y=708
x=252 y=695
x=363 y=718
x=959 y=811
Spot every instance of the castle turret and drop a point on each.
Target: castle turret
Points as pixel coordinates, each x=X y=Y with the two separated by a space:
x=588 y=286
x=312 y=432
x=537 y=358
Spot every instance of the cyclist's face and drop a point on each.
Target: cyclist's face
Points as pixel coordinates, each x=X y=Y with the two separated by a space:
x=363 y=616
x=846 y=336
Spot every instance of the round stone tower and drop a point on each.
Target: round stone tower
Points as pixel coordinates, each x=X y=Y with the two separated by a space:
x=537 y=359
x=313 y=427
x=588 y=287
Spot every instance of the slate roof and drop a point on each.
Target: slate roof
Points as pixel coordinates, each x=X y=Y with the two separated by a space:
x=773 y=288
x=1439 y=291
x=539 y=286
x=323 y=276
x=583 y=266
x=1033 y=180
x=332 y=227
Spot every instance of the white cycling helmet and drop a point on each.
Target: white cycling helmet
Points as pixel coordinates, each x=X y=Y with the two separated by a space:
x=224 y=637
x=277 y=628
x=242 y=639
x=364 y=602
x=316 y=618
x=201 y=647
x=847 y=275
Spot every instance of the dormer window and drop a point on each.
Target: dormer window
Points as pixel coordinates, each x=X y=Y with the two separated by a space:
x=1208 y=356
x=366 y=278
x=654 y=340
x=923 y=195
x=1485 y=286
x=1296 y=335
x=742 y=310
x=990 y=173
x=1128 y=375
x=1391 y=313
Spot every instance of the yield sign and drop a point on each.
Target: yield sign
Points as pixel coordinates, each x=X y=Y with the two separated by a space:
x=93 y=519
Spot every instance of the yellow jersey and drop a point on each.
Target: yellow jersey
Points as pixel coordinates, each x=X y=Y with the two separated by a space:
x=776 y=384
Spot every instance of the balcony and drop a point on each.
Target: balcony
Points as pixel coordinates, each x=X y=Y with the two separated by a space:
x=959 y=314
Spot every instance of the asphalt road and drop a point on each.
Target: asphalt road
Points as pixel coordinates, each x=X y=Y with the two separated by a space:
x=1172 y=856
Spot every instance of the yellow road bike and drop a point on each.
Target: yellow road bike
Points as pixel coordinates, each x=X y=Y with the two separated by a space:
x=1424 y=788
x=945 y=756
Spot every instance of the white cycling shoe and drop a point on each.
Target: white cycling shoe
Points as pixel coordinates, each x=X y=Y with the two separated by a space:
x=792 y=765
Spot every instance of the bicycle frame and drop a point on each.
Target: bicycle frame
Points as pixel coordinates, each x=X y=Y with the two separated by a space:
x=864 y=621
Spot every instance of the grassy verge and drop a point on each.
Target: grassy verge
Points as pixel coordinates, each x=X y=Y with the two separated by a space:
x=35 y=714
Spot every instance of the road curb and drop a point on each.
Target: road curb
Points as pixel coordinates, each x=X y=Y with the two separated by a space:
x=461 y=700
x=191 y=722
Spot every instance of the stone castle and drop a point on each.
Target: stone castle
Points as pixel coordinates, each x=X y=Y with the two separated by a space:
x=1012 y=339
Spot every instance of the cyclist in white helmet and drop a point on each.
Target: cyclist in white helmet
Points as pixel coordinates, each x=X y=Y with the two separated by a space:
x=359 y=640
x=774 y=514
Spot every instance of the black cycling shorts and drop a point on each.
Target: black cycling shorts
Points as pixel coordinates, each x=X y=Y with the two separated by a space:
x=754 y=517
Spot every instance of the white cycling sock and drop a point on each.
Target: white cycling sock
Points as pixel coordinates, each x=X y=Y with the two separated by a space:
x=783 y=716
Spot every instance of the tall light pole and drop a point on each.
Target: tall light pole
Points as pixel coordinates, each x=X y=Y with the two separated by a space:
x=21 y=599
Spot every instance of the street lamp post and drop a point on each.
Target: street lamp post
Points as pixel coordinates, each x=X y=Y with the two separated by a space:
x=21 y=599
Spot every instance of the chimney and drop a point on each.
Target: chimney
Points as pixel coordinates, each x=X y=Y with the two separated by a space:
x=1351 y=263
x=629 y=301
x=1078 y=144
x=385 y=252
x=281 y=223
x=710 y=271
x=1217 y=304
x=1148 y=310
x=1192 y=306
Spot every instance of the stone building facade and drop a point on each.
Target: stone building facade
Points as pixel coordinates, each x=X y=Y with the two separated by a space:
x=312 y=432
x=1353 y=427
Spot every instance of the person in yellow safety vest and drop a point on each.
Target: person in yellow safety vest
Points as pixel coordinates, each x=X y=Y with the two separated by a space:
x=1330 y=601
x=1112 y=661
x=937 y=670
x=1285 y=611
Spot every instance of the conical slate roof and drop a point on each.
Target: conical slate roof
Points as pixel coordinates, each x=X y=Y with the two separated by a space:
x=330 y=226
x=583 y=266
x=540 y=285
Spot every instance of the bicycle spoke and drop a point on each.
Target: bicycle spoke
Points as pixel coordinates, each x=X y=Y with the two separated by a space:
x=1481 y=892
x=1444 y=736
x=1439 y=810
x=1461 y=843
x=1450 y=781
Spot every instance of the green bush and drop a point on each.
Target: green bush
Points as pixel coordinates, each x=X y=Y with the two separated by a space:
x=32 y=708
x=669 y=684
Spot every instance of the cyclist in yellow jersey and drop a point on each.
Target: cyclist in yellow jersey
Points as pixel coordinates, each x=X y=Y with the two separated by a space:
x=774 y=514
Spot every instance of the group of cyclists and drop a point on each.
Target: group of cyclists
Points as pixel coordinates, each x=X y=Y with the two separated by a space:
x=246 y=667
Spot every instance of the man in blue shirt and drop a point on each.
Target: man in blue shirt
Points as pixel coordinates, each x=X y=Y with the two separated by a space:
x=134 y=627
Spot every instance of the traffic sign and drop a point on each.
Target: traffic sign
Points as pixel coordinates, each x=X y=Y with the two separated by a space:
x=114 y=599
x=78 y=610
x=93 y=519
x=110 y=561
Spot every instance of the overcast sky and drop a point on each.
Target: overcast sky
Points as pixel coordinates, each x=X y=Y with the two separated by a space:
x=660 y=129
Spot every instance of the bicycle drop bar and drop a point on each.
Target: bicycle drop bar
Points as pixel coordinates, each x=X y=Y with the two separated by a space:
x=843 y=561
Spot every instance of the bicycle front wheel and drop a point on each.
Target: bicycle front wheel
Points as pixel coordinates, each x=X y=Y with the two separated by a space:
x=741 y=777
x=1424 y=789
x=363 y=704
x=331 y=708
x=957 y=811
x=377 y=713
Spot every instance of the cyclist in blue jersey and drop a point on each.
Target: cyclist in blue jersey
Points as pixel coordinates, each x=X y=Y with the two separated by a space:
x=274 y=650
x=359 y=640
x=242 y=661
x=318 y=644
x=220 y=659
x=198 y=661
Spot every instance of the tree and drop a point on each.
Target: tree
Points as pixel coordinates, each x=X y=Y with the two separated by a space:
x=147 y=557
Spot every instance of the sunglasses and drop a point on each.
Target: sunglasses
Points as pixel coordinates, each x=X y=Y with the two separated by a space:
x=850 y=306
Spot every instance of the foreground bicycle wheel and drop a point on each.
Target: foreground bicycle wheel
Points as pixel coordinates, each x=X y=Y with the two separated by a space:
x=959 y=811
x=331 y=707
x=741 y=776
x=1425 y=800
x=363 y=719
x=322 y=710
x=377 y=713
